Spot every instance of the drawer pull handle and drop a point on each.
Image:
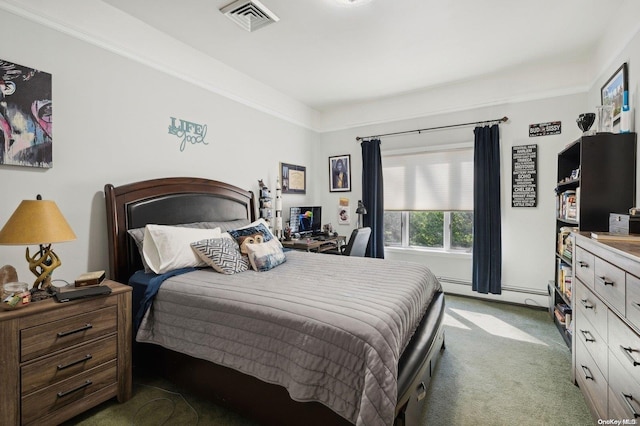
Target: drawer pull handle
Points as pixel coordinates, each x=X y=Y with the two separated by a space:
x=586 y=304
x=588 y=338
x=87 y=357
x=627 y=352
x=604 y=281
x=421 y=391
x=636 y=305
x=587 y=372
x=627 y=399
x=583 y=264
x=76 y=389
x=77 y=330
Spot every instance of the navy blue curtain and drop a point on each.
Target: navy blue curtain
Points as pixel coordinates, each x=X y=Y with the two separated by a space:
x=372 y=196
x=487 y=233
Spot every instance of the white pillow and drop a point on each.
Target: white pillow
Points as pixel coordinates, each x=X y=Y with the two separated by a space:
x=166 y=248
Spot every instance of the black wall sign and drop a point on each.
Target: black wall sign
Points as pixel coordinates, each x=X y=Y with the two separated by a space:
x=544 y=129
x=524 y=176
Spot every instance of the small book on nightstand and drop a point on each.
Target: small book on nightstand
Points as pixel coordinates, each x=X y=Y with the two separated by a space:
x=90 y=279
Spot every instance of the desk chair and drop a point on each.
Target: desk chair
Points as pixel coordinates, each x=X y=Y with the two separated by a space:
x=357 y=244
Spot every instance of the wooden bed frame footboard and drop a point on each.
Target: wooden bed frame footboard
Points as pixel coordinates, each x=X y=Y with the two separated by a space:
x=183 y=200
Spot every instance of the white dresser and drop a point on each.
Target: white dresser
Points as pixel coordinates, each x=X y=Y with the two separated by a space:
x=606 y=327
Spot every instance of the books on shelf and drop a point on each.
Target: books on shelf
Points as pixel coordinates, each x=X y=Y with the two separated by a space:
x=567 y=204
x=564 y=278
x=563 y=313
x=608 y=236
x=565 y=242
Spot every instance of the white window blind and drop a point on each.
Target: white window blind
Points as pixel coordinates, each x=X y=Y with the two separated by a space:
x=435 y=180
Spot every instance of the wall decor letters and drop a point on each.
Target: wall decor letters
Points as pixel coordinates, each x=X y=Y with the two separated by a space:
x=544 y=129
x=524 y=176
x=26 y=117
x=188 y=132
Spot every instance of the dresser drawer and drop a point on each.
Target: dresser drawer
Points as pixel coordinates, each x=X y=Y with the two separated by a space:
x=591 y=380
x=624 y=392
x=592 y=341
x=584 y=265
x=66 y=364
x=624 y=344
x=72 y=390
x=610 y=284
x=592 y=308
x=64 y=333
x=632 y=310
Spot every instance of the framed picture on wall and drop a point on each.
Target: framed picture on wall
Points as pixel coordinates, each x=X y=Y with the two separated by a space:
x=611 y=92
x=340 y=173
x=293 y=178
x=26 y=116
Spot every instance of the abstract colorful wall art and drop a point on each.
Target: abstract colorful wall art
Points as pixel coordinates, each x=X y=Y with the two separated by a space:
x=25 y=116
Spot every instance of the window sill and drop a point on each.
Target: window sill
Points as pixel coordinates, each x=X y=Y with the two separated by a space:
x=427 y=252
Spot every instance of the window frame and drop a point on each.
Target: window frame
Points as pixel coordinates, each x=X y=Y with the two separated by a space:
x=446 y=235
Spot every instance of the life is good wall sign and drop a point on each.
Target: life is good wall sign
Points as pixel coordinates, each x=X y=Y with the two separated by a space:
x=524 y=176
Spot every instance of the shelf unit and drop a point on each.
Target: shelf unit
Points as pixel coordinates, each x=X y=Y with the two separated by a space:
x=596 y=176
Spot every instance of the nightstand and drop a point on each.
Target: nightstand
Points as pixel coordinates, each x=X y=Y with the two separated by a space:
x=57 y=360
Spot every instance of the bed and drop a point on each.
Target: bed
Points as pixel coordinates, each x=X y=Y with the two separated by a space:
x=295 y=380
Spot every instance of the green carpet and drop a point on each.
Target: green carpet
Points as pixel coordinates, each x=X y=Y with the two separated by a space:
x=503 y=365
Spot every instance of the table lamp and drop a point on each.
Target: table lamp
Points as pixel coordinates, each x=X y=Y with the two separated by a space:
x=38 y=222
x=360 y=210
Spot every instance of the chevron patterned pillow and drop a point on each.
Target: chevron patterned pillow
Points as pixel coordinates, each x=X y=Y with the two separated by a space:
x=222 y=254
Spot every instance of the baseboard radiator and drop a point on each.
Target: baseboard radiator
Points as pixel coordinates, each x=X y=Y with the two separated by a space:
x=467 y=283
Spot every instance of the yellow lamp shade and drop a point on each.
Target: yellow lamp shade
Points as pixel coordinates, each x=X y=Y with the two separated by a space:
x=36 y=222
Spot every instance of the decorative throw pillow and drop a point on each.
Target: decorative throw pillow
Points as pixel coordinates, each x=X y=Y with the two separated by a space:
x=255 y=232
x=222 y=254
x=265 y=256
x=166 y=248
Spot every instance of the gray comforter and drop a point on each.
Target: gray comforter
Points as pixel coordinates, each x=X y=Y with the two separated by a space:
x=327 y=328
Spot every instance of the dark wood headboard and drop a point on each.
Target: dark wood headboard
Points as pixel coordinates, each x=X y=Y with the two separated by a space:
x=166 y=201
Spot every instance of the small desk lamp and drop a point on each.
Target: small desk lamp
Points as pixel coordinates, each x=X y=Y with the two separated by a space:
x=360 y=210
x=38 y=222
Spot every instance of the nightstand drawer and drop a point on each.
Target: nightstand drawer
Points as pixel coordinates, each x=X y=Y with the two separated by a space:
x=67 y=364
x=591 y=381
x=592 y=342
x=584 y=265
x=633 y=300
x=591 y=307
x=610 y=284
x=64 y=333
x=39 y=404
x=624 y=344
x=624 y=392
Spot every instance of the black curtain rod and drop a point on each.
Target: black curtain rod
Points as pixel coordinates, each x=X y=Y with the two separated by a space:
x=497 y=120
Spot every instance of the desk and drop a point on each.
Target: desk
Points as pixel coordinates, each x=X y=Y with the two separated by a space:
x=314 y=244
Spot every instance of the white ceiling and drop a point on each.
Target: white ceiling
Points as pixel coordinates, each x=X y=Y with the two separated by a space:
x=325 y=54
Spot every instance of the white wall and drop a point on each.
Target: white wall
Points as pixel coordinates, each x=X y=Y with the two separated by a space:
x=528 y=233
x=111 y=118
x=630 y=54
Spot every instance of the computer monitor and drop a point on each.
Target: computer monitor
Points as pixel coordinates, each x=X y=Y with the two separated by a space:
x=306 y=220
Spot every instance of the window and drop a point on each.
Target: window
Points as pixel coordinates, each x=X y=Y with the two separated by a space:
x=429 y=199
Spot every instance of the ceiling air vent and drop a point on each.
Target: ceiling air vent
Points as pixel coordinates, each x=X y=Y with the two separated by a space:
x=249 y=14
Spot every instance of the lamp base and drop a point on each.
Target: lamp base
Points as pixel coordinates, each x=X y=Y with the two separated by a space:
x=40 y=294
x=42 y=264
